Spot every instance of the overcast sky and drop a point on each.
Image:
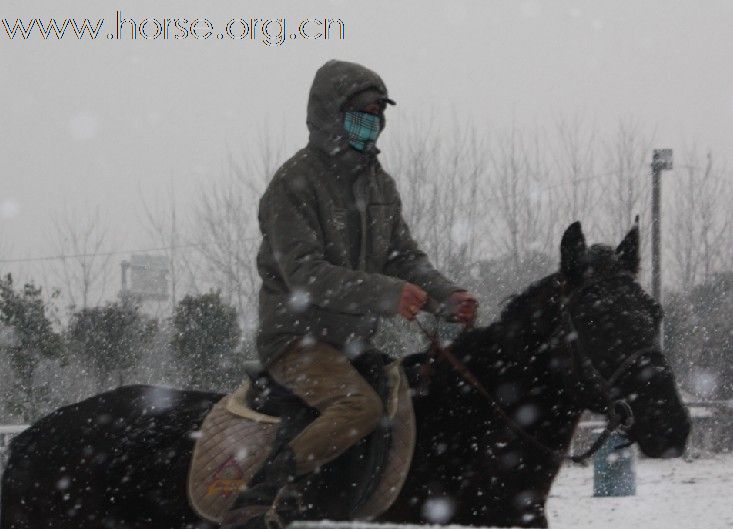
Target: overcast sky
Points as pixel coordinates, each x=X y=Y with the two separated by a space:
x=86 y=124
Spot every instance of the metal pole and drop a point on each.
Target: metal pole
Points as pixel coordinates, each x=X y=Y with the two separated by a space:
x=661 y=160
x=174 y=242
x=124 y=266
x=656 y=228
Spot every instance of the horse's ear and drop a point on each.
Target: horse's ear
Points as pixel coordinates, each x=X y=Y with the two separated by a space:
x=573 y=260
x=627 y=252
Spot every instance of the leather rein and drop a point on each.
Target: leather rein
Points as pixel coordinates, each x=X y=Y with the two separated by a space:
x=619 y=415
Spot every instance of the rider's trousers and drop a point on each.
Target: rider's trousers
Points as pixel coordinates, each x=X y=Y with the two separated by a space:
x=349 y=407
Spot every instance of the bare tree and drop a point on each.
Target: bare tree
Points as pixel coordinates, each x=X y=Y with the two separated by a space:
x=168 y=233
x=726 y=254
x=575 y=155
x=440 y=177
x=469 y=199
x=5 y=252
x=82 y=267
x=626 y=188
x=518 y=194
x=412 y=160
x=226 y=231
x=699 y=220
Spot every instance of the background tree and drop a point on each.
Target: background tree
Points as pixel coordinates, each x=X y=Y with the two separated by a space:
x=497 y=280
x=441 y=178
x=29 y=338
x=712 y=306
x=206 y=339
x=699 y=220
x=162 y=226
x=681 y=339
x=5 y=253
x=83 y=268
x=626 y=187
x=110 y=340
x=225 y=227
x=699 y=338
x=575 y=156
x=525 y=213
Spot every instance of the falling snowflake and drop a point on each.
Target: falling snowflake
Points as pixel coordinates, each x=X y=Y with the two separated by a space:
x=299 y=300
x=438 y=510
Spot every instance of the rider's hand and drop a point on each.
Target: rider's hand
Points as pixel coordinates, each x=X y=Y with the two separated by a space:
x=412 y=299
x=461 y=306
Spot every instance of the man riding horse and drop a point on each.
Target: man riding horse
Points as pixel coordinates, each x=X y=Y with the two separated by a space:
x=336 y=255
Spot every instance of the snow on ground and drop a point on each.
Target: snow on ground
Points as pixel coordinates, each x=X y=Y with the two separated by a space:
x=670 y=494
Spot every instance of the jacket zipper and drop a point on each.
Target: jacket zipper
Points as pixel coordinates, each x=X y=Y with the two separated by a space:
x=360 y=195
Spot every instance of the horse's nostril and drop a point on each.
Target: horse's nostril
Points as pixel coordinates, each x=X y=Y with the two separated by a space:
x=674 y=451
x=662 y=447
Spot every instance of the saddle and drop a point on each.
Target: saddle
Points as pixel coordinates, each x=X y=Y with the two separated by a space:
x=249 y=425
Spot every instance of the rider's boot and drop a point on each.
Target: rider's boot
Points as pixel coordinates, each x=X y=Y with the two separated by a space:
x=271 y=490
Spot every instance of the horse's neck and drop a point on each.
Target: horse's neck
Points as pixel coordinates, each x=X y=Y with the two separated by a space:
x=506 y=347
x=510 y=355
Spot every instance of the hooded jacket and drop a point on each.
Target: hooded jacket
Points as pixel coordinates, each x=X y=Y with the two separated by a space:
x=315 y=286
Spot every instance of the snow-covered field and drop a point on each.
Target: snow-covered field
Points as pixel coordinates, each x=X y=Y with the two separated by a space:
x=671 y=494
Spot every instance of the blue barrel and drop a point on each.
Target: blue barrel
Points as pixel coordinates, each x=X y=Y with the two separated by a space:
x=614 y=471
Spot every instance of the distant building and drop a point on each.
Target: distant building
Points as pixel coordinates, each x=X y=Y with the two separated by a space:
x=145 y=277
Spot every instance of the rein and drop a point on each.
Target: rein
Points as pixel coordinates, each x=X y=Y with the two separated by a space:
x=444 y=353
x=618 y=415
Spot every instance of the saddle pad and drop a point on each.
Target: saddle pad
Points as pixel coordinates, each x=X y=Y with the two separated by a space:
x=229 y=450
x=403 y=445
x=234 y=442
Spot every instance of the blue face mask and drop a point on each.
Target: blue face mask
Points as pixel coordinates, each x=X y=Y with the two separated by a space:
x=361 y=128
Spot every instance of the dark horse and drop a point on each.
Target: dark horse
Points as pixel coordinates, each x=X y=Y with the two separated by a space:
x=120 y=459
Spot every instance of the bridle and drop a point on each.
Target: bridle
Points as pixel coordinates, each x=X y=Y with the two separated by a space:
x=619 y=415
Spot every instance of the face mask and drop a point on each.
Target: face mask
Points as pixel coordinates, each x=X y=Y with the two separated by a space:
x=361 y=128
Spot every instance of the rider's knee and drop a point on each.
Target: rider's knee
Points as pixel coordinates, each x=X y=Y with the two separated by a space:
x=367 y=411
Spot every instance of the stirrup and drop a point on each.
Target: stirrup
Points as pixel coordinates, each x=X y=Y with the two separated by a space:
x=249 y=505
x=241 y=520
x=288 y=500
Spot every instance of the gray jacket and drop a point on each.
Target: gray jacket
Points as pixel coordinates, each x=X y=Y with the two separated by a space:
x=311 y=286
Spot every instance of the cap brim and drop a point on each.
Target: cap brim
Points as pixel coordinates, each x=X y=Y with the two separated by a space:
x=366 y=97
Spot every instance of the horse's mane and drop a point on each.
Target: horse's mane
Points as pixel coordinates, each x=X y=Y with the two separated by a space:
x=517 y=304
x=520 y=307
x=515 y=313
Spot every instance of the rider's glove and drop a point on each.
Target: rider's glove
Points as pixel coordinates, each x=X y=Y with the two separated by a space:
x=411 y=301
x=461 y=307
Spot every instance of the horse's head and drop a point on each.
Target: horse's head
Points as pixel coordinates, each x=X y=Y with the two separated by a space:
x=615 y=325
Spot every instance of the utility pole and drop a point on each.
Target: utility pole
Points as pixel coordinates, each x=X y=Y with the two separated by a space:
x=174 y=242
x=661 y=161
x=616 y=476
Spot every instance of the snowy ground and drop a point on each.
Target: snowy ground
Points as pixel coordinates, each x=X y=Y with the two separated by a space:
x=670 y=494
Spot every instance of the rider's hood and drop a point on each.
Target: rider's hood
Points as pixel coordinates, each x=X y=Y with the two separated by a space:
x=335 y=82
